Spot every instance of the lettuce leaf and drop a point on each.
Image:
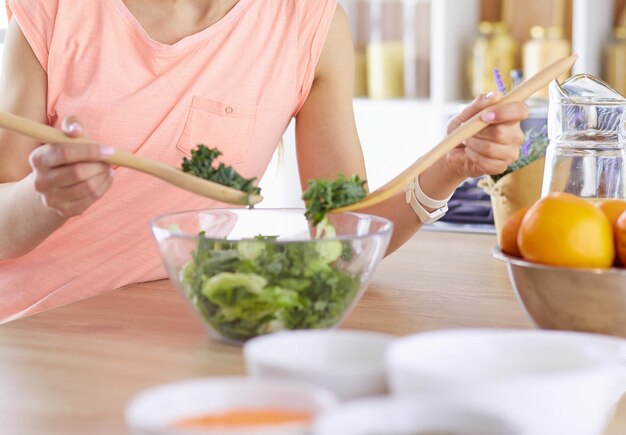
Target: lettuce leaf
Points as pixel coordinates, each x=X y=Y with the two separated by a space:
x=278 y=285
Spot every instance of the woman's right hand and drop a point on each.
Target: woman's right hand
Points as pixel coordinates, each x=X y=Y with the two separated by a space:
x=71 y=177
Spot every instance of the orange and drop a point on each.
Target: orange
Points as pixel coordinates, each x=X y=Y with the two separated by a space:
x=510 y=229
x=565 y=230
x=620 y=238
x=612 y=208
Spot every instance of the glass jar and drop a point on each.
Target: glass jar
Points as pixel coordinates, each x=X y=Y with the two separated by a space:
x=391 y=47
x=615 y=60
x=586 y=154
x=494 y=48
x=385 y=50
x=548 y=44
x=417 y=31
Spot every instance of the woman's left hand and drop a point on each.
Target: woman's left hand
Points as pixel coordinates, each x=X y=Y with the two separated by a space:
x=492 y=150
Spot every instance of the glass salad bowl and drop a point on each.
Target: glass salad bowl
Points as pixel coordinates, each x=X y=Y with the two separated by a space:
x=248 y=272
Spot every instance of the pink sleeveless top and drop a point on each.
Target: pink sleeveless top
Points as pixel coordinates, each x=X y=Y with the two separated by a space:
x=234 y=86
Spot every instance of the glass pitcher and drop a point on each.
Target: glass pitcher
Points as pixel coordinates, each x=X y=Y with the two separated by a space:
x=586 y=155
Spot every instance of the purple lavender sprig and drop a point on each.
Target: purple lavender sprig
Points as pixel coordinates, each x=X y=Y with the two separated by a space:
x=499 y=82
x=526 y=146
x=533 y=137
x=534 y=148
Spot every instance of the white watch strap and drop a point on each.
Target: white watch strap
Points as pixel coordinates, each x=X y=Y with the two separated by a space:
x=424 y=215
x=425 y=199
x=413 y=195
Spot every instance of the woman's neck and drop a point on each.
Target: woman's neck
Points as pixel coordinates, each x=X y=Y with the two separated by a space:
x=169 y=21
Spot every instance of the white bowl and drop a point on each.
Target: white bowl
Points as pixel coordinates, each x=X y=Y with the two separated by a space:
x=157 y=409
x=408 y=416
x=349 y=363
x=546 y=382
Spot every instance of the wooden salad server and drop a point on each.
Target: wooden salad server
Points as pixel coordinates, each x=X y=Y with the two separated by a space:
x=460 y=134
x=170 y=174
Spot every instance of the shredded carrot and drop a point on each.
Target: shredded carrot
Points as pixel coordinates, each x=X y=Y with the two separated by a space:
x=246 y=417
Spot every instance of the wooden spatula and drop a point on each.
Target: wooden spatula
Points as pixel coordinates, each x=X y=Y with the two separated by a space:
x=168 y=173
x=463 y=132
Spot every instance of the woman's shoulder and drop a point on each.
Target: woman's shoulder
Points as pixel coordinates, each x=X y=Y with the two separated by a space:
x=304 y=13
x=37 y=20
x=311 y=12
x=47 y=13
x=44 y=12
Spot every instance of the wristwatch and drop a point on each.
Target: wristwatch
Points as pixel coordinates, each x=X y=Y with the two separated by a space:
x=418 y=199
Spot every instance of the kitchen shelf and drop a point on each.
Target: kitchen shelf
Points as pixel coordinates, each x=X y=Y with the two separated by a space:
x=395 y=132
x=454 y=24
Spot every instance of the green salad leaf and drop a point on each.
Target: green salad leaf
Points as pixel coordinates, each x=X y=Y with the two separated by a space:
x=250 y=287
x=202 y=165
x=321 y=196
x=247 y=288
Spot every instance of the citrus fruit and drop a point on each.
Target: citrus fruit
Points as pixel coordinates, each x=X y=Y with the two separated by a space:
x=565 y=230
x=620 y=238
x=612 y=208
x=510 y=229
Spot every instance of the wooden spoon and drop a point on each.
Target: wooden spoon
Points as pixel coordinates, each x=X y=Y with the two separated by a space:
x=463 y=132
x=172 y=175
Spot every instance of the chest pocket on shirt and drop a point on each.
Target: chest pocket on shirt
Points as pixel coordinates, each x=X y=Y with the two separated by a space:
x=227 y=127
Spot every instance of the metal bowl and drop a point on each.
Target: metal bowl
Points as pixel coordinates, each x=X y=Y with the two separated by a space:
x=591 y=300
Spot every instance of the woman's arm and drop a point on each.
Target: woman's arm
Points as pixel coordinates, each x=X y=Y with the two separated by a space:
x=24 y=220
x=65 y=179
x=328 y=144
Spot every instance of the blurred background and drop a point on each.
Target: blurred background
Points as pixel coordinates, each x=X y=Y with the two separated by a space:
x=417 y=62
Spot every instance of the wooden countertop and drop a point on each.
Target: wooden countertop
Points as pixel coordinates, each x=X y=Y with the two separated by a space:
x=71 y=370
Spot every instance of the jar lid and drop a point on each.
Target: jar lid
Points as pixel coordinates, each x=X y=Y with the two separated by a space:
x=489 y=27
x=619 y=32
x=551 y=32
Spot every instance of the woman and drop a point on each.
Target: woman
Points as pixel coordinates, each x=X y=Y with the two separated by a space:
x=156 y=78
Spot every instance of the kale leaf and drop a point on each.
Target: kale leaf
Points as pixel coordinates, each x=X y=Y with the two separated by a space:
x=321 y=196
x=251 y=287
x=202 y=165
